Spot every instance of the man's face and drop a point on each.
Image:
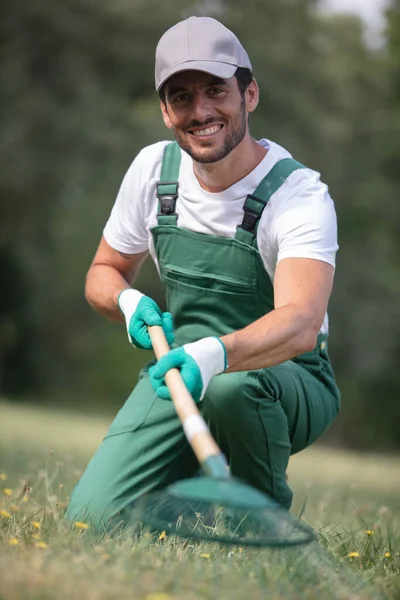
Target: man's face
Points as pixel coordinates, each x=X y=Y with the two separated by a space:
x=207 y=115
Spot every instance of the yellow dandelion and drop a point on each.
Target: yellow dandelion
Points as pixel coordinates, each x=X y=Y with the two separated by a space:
x=162 y=536
x=5 y=514
x=3 y=476
x=13 y=541
x=353 y=554
x=25 y=498
x=369 y=532
x=204 y=555
x=41 y=545
x=387 y=555
x=80 y=525
x=8 y=492
x=36 y=524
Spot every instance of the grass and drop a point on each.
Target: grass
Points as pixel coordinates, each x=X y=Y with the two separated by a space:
x=352 y=500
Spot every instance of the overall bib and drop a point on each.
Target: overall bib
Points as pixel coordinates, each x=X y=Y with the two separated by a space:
x=214 y=286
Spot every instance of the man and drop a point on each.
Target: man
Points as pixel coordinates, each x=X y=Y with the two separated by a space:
x=244 y=238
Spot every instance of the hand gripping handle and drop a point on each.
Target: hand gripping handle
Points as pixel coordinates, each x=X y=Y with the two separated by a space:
x=194 y=426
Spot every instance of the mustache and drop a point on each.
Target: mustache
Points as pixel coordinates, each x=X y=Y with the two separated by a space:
x=208 y=121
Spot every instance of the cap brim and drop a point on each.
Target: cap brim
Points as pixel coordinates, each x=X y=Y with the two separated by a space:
x=219 y=69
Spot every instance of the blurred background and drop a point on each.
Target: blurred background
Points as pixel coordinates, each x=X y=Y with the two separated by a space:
x=77 y=103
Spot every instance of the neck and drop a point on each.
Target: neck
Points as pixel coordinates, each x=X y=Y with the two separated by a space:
x=219 y=176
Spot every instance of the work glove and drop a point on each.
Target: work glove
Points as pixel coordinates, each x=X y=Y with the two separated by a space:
x=197 y=363
x=140 y=311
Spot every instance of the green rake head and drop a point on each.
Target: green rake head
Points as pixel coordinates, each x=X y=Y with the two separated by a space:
x=223 y=511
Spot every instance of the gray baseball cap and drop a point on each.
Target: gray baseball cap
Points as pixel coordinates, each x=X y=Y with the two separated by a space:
x=200 y=44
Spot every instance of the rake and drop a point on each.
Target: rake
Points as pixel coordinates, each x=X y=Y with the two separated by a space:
x=215 y=507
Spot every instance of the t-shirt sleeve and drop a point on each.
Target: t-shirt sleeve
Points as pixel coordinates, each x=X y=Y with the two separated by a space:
x=126 y=230
x=303 y=224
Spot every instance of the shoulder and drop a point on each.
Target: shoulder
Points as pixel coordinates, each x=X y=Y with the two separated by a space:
x=303 y=200
x=147 y=163
x=305 y=194
x=296 y=181
x=302 y=185
x=136 y=188
x=299 y=220
x=125 y=229
x=153 y=152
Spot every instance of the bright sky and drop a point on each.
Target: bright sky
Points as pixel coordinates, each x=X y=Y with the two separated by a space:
x=370 y=10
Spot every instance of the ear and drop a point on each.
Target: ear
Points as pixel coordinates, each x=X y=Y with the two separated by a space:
x=165 y=115
x=252 y=95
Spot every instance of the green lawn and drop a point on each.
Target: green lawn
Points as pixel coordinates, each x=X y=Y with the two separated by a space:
x=353 y=500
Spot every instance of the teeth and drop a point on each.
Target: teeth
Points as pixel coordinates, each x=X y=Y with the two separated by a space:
x=209 y=131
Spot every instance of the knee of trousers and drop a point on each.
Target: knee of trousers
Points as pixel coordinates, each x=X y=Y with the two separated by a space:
x=232 y=397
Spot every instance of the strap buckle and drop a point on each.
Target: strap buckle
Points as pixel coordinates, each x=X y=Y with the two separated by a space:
x=249 y=222
x=167 y=201
x=167 y=205
x=250 y=216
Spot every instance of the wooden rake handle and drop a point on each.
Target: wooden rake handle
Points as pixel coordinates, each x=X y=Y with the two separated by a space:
x=194 y=426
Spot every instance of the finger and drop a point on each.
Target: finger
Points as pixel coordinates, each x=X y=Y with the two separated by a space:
x=164 y=393
x=174 y=359
x=168 y=327
x=150 y=317
x=159 y=386
x=149 y=312
x=192 y=377
x=141 y=341
x=156 y=382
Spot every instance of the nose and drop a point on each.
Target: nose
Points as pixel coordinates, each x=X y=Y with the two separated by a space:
x=201 y=108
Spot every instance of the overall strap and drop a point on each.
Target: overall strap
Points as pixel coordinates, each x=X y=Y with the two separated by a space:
x=167 y=187
x=255 y=203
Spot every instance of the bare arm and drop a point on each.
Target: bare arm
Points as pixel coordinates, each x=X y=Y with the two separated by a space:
x=302 y=287
x=110 y=273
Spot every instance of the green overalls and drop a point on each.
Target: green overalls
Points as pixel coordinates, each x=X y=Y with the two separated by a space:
x=214 y=285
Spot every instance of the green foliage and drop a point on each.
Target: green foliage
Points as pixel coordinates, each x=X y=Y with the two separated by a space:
x=78 y=103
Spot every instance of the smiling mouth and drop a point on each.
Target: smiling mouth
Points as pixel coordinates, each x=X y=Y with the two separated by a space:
x=207 y=131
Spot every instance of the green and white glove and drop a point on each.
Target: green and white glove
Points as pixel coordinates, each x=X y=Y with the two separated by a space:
x=197 y=362
x=140 y=311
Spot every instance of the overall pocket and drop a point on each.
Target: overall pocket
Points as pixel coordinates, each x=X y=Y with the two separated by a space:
x=209 y=282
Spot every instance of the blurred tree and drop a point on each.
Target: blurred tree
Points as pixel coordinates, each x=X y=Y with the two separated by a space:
x=71 y=75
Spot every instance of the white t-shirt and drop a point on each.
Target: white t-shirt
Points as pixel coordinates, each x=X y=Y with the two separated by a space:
x=298 y=221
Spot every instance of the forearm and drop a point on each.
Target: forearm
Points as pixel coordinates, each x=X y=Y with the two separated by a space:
x=278 y=336
x=103 y=286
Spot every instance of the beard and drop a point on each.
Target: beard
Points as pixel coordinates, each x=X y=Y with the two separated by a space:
x=211 y=155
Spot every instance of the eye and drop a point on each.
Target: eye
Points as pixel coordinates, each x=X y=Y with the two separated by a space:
x=214 y=91
x=179 y=98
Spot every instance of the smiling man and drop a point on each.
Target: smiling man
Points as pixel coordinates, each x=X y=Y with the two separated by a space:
x=244 y=238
